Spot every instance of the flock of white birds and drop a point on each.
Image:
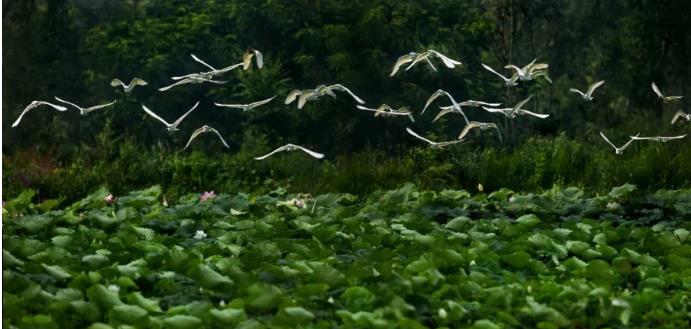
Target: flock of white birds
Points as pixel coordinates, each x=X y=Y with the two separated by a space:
x=529 y=72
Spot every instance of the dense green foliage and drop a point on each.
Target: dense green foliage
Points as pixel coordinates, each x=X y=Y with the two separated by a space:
x=73 y=48
x=401 y=258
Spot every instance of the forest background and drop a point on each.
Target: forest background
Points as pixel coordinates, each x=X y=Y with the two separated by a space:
x=73 y=48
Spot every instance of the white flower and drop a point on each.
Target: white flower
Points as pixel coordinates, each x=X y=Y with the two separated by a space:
x=200 y=235
x=472 y=263
x=512 y=199
x=222 y=303
x=442 y=313
x=113 y=288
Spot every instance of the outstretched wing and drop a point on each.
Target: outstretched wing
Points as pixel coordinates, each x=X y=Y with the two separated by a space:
x=610 y=143
x=680 y=114
x=177 y=122
x=341 y=87
x=410 y=131
x=312 y=153
x=259 y=58
x=623 y=147
x=195 y=133
x=96 y=107
x=303 y=98
x=292 y=96
x=202 y=62
x=66 y=102
x=515 y=68
x=272 y=153
x=594 y=86
x=522 y=103
x=151 y=113
x=400 y=61
x=493 y=110
x=657 y=90
x=219 y=136
x=574 y=90
x=367 y=109
x=235 y=106
x=467 y=128
x=432 y=98
x=36 y=104
x=229 y=68
x=262 y=102
x=541 y=116
x=419 y=57
x=495 y=72
x=450 y=63
x=117 y=82
x=184 y=81
x=446 y=110
x=138 y=82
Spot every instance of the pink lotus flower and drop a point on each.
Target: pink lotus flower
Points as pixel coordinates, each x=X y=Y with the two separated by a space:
x=207 y=195
x=109 y=199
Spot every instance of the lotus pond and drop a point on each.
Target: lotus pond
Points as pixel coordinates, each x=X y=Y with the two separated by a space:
x=396 y=259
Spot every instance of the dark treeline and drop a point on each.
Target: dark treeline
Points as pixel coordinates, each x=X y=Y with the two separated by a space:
x=73 y=48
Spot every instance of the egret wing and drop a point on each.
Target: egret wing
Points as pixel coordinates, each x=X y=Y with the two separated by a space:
x=400 y=61
x=594 y=86
x=177 y=122
x=271 y=153
x=181 y=82
x=410 y=131
x=495 y=72
x=202 y=62
x=341 y=87
x=151 y=113
x=310 y=152
x=262 y=102
x=292 y=95
x=610 y=143
x=541 y=116
x=657 y=90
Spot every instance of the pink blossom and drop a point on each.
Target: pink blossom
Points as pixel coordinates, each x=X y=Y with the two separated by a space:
x=109 y=199
x=207 y=195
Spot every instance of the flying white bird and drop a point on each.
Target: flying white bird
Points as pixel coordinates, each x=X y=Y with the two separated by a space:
x=681 y=114
x=35 y=104
x=660 y=139
x=619 y=150
x=247 y=58
x=386 y=110
x=512 y=112
x=588 y=96
x=481 y=125
x=135 y=82
x=522 y=73
x=328 y=90
x=302 y=95
x=663 y=97
x=469 y=103
x=193 y=80
x=205 y=129
x=247 y=107
x=448 y=62
x=509 y=82
x=288 y=148
x=453 y=102
x=208 y=74
x=172 y=127
x=85 y=111
x=434 y=145
x=407 y=58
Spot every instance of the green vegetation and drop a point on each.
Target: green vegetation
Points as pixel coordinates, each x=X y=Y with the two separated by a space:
x=400 y=258
x=73 y=48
